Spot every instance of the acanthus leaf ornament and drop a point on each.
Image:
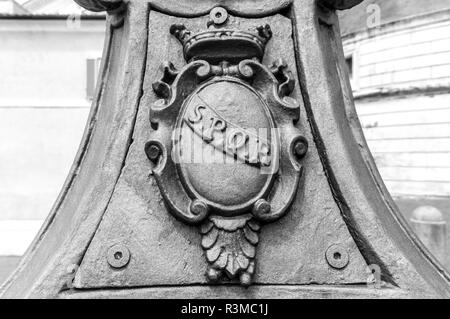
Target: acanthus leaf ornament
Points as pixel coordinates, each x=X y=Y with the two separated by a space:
x=224 y=148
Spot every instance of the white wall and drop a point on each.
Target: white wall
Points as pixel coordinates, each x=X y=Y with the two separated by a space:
x=43 y=110
x=409 y=135
x=43 y=62
x=409 y=138
x=54 y=7
x=414 y=53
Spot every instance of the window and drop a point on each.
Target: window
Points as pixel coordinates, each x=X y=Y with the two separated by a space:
x=92 y=68
x=349 y=63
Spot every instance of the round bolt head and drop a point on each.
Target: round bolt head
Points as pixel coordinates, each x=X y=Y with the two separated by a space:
x=301 y=147
x=213 y=274
x=118 y=256
x=218 y=15
x=337 y=256
x=153 y=151
x=199 y=208
x=245 y=279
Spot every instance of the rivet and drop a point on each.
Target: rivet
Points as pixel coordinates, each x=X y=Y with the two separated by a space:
x=337 y=256
x=153 y=151
x=218 y=15
x=118 y=256
x=300 y=147
x=245 y=279
x=213 y=274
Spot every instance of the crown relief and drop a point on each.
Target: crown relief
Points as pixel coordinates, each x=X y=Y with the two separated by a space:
x=226 y=51
x=219 y=43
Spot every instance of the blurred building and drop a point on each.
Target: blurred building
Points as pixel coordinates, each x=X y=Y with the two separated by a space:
x=398 y=54
x=49 y=56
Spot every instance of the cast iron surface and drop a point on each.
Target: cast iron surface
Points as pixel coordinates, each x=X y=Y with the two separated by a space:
x=167 y=252
x=111 y=234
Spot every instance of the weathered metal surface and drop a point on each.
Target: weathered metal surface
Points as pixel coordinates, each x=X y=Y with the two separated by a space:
x=165 y=251
x=100 y=5
x=339 y=4
x=123 y=226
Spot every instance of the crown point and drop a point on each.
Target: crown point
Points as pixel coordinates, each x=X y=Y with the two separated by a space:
x=222 y=44
x=175 y=29
x=265 y=32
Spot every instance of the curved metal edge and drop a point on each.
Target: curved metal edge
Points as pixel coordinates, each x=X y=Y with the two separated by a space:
x=286 y=184
x=187 y=8
x=286 y=112
x=165 y=116
x=99 y=5
x=288 y=109
x=367 y=208
x=339 y=4
x=179 y=207
x=114 y=8
x=48 y=266
x=167 y=111
x=242 y=8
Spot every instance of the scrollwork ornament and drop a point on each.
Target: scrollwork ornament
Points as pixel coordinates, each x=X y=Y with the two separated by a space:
x=237 y=114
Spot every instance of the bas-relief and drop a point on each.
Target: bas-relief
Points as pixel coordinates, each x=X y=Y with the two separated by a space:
x=220 y=156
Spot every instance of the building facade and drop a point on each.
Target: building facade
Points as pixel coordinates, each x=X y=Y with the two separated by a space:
x=49 y=53
x=398 y=54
